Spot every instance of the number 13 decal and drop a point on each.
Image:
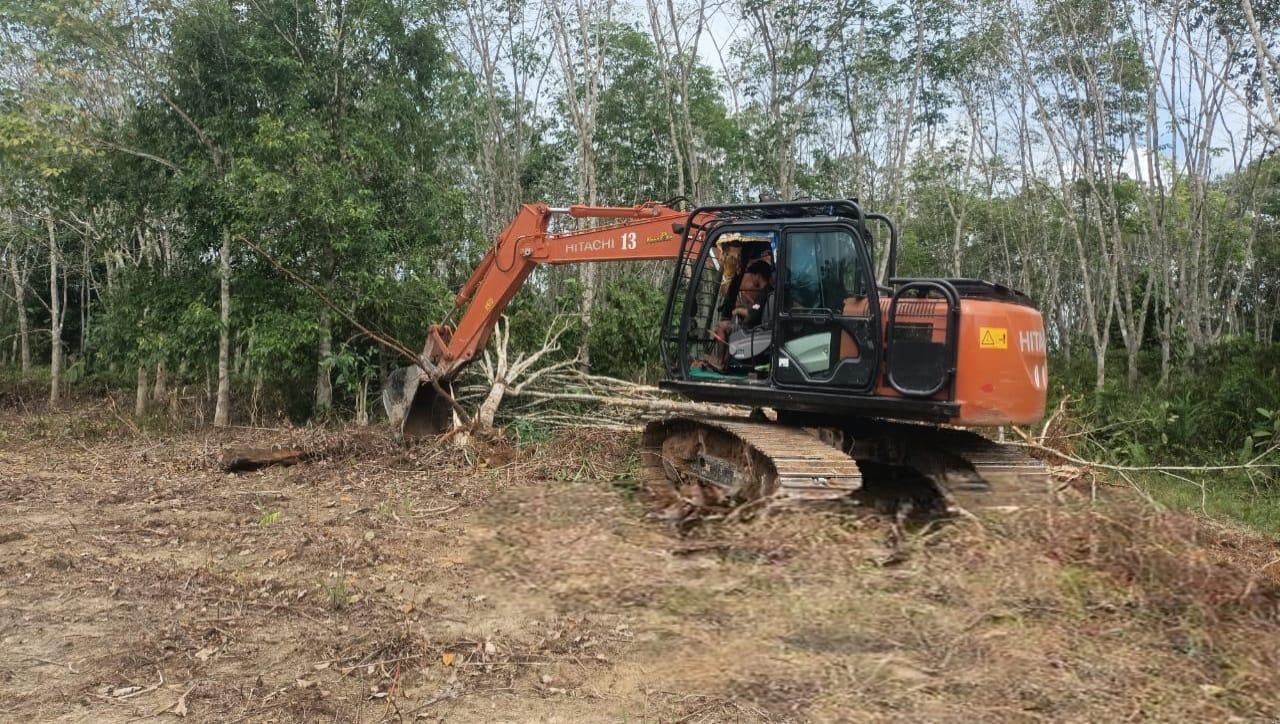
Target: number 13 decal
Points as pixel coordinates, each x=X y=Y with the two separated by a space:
x=628 y=240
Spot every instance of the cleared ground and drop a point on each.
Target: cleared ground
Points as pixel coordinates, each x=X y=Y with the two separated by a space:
x=495 y=584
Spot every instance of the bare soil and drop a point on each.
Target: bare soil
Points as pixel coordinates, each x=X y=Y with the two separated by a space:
x=376 y=583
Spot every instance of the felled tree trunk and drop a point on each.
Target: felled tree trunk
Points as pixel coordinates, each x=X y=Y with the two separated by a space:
x=242 y=458
x=510 y=376
x=489 y=408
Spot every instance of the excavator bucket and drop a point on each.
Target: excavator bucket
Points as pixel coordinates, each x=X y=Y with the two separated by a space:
x=415 y=406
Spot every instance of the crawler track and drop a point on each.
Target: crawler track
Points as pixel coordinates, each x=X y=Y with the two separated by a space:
x=725 y=462
x=973 y=472
x=709 y=463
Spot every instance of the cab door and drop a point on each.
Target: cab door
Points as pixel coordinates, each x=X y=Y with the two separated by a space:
x=827 y=330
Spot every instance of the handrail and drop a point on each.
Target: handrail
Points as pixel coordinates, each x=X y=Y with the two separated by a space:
x=953 y=323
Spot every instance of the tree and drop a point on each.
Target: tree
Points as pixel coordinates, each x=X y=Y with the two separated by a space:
x=581 y=51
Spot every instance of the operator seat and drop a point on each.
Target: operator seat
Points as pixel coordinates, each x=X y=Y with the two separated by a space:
x=753 y=337
x=854 y=306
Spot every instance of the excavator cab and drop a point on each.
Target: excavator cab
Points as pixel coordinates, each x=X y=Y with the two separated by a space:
x=817 y=326
x=832 y=340
x=806 y=325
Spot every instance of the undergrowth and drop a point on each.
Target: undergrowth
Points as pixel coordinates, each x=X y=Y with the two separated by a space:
x=1220 y=409
x=1224 y=494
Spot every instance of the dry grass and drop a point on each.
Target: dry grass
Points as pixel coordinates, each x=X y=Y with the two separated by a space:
x=497 y=584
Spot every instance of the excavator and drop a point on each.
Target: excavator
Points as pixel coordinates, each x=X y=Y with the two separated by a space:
x=778 y=308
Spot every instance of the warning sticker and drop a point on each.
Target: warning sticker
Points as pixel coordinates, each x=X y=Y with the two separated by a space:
x=994 y=337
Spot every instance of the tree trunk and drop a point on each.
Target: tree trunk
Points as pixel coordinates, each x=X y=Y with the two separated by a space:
x=222 y=410
x=324 y=385
x=362 y=404
x=161 y=389
x=589 y=275
x=55 y=318
x=579 y=46
x=20 y=305
x=489 y=408
x=140 y=398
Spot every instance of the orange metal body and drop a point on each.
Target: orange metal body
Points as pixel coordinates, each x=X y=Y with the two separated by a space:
x=1001 y=370
x=1002 y=375
x=994 y=385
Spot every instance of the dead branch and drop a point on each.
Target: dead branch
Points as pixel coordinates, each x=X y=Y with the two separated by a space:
x=507 y=376
x=1044 y=431
x=1253 y=464
x=646 y=405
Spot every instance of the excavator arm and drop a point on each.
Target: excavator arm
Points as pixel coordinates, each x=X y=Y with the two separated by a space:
x=418 y=399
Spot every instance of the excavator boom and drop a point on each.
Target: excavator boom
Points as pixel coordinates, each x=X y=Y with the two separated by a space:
x=417 y=399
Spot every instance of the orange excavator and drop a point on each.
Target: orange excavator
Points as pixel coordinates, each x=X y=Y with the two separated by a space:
x=777 y=307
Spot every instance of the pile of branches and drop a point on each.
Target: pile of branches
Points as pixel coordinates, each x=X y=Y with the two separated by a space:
x=569 y=397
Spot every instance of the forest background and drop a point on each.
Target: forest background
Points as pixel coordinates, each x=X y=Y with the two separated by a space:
x=179 y=179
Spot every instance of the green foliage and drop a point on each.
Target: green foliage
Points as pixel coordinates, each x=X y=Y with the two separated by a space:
x=624 y=334
x=1213 y=410
x=528 y=432
x=1251 y=499
x=336 y=593
x=402 y=508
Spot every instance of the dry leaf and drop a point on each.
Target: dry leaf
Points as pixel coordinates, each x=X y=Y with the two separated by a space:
x=206 y=652
x=304 y=684
x=125 y=691
x=448 y=659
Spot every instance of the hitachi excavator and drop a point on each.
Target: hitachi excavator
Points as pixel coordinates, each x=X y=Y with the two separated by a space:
x=776 y=307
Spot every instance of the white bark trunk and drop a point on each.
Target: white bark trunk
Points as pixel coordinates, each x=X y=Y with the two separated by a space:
x=161 y=389
x=324 y=384
x=362 y=404
x=489 y=408
x=20 y=306
x=222 y=410
x=55 y=319
x=579 y=46
x=140 y=398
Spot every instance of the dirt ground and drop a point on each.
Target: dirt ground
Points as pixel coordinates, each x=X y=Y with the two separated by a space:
x=137 y=581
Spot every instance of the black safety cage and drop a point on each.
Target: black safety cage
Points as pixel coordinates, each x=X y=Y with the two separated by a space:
x=704 y=220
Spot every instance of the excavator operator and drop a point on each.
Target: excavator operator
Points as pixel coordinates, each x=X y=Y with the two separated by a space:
x=757 y=285
x=746 y=293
